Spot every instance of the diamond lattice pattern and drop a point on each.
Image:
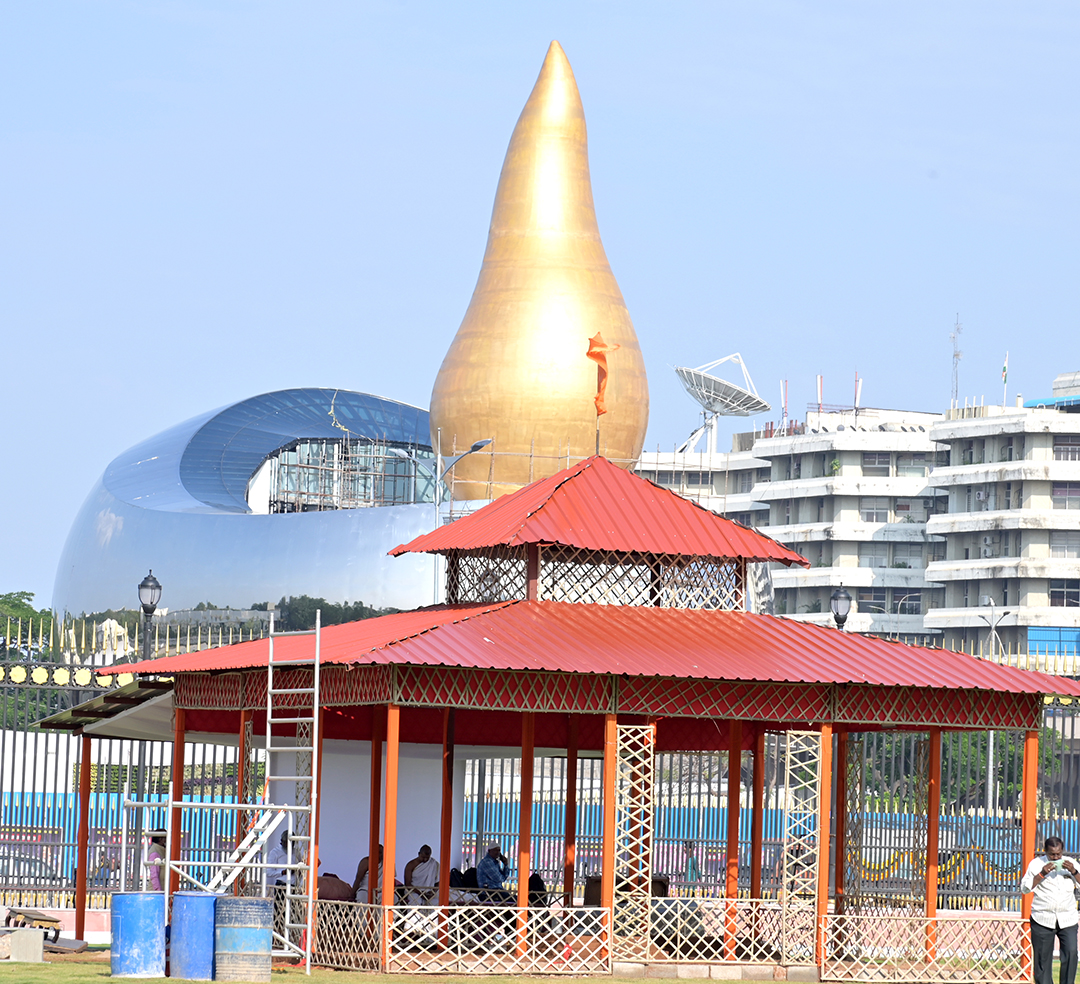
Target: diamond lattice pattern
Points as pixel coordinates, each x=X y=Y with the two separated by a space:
x=635 y=758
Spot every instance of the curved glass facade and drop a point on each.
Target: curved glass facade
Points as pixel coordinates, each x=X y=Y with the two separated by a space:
x=179 y=503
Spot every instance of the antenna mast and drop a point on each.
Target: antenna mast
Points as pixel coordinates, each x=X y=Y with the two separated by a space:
x=957 y=355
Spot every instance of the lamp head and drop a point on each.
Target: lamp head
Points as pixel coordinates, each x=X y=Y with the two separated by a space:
x=149 y=593
x=840 y=603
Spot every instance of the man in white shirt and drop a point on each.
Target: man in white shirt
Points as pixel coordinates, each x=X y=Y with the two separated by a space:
x=1052 y=877
x=278 y=857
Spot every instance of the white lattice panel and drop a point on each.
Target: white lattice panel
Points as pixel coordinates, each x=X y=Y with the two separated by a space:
x=498 y=939
x=634 y=777
x=802 y=767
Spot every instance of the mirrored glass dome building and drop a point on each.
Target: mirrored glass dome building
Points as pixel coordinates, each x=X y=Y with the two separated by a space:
x=300 y=491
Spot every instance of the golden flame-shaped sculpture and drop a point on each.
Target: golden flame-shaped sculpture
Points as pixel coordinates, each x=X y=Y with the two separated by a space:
x=517 y=370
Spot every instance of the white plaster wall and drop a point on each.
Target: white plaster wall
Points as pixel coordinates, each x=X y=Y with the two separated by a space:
x=345 y=809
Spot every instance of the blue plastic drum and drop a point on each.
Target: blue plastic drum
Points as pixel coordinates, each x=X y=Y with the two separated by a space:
x=138 y=934
x=243 y=938
x=191 y=949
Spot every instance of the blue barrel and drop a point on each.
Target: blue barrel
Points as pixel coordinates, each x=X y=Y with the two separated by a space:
x=138 y=934
x=243 y=938
x=191 y=944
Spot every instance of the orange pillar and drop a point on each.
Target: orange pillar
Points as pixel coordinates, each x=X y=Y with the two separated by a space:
x=177 y=775
x=570 y=827
x=824 y=816
x=757 y=819
x=933 y=813
x=1028 y=794
x=377 y=731
x=83 y=847
x=840 y=876
x=242 y=753
x=393 y=724
x=731 y=879
x=528 y=754
x=607 y=849
x=447 y=817
x=1028 y=817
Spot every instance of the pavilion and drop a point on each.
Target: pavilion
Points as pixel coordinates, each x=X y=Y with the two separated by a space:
x=594 y=612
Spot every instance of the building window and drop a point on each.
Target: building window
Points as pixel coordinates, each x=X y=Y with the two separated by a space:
x=914 y=464
x=665 y=478
x=872 y=600
x=698 y=478
x=908 y=555
x=1066 y=495
x=1064 y=593
x=1065 y=544
x=1067 y=447
x=876 y=463
x=874 y=554
x=746 y=481
x=907 y=602
x=875 y=509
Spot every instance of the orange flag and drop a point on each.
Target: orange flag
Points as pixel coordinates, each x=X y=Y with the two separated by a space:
x=598 y=350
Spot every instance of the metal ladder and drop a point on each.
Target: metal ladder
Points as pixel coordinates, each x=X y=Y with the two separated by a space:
x=296 y=709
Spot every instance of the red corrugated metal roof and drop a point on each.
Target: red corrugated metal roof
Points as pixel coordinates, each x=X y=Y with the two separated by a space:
x=668 y=642
x=596 y=505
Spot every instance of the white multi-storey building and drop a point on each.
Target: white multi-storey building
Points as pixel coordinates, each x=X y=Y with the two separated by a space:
x=935 y=523
x=1013 y=525
x=849 y=492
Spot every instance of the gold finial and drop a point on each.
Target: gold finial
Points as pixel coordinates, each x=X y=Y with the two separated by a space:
x=517 y=370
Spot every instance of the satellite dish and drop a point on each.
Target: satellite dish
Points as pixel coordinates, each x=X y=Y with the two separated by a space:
x=717 y=395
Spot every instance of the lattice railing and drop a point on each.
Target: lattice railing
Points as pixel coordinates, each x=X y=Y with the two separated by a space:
x=498 y=939
x=499 y=574
x=348 y=936
x=634 y=816
x=855 y=805
x=709 y=930
x=599 y=577
x=802 y=765
x=972 y=948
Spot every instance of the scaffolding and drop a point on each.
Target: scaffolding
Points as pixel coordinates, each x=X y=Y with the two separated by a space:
x=319 y=475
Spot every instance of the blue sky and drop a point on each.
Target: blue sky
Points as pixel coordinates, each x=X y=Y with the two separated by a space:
x=203 y=201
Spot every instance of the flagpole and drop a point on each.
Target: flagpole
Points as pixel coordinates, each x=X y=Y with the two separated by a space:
x=1005 y=383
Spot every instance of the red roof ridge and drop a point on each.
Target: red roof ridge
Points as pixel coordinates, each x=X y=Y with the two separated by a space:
x=611 y=511
x=567 y=474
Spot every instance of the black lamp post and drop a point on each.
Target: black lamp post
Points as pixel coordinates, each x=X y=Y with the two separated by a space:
x=840 y=603
x=149 y=596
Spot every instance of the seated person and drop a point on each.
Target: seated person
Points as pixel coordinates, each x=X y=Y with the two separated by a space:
x=422 y=875
x=491 y=872
x=360 y=882
x=333 y=889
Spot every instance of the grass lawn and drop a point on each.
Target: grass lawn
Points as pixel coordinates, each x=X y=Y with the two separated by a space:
x=93 y=967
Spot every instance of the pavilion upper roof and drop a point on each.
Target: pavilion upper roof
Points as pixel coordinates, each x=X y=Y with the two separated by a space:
x=595 y=505
x=630 y=642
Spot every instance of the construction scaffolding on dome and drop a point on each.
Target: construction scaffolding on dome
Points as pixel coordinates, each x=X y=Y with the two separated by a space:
x=568 y=634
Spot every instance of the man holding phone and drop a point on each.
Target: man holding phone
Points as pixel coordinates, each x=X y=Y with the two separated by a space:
x=1052 y=877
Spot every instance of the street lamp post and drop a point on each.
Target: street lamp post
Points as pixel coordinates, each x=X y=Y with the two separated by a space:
x=149 y=596
x=840 y=603
x=991 y=778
